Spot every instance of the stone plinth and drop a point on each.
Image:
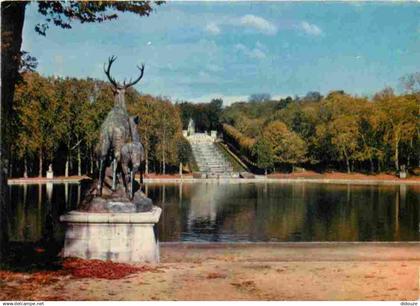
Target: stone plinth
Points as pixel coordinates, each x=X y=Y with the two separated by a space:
x=120 y=237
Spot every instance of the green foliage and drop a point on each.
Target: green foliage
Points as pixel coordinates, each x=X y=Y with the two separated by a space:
x=339 y=130
x=57 y=117
x=240 y=140
x=63 y=13
x=286 y=146
x=159 y=128
x=260 y=97
x=39 y=119
x=206 y=116
x=184 y=150
x=264 y=154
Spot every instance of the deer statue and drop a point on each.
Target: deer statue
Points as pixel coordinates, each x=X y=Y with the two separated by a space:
x=132 y=155
x=115 y=130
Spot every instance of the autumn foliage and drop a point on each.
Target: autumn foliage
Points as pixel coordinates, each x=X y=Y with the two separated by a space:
x=338 y=131
x=82 y=268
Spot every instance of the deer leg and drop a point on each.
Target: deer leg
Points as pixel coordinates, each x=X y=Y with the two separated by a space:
x=114 y=175
x=141 y=177
x=132 y=178
x=124 y=174
x=101 y=179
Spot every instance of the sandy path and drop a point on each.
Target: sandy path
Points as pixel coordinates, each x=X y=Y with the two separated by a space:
x=307 y=271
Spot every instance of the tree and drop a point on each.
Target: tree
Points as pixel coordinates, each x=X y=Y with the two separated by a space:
x=40 y=116
x=259 y=97
x=214 y=111
x=411 y=82
x=147 y=108
x=168 y=127
x=371 y=146
x=184 y=152
x=400 y=120
x=286 y=146
x=312 y=96
x=263 y=151
x=344 y=136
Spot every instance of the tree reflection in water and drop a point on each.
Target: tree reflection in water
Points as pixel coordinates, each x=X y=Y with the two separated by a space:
x=232 y=212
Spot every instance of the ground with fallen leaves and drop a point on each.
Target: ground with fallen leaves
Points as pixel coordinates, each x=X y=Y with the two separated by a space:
x=295 y=271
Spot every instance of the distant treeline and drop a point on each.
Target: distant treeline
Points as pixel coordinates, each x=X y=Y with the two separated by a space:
x=57 y=120
x=338 y=131
x=206 y=116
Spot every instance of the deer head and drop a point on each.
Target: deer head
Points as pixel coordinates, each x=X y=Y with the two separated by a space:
x=118 y=89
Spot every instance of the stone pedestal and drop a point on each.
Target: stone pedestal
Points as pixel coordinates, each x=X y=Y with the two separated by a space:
x=120 y=237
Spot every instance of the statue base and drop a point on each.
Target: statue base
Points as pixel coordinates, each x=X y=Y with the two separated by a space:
x=117 y=236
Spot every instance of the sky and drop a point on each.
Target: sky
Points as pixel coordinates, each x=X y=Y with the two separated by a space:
x=197 y=51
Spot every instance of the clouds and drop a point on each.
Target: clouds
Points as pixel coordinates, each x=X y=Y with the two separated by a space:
x=255 y=24
x=247 y=22
x=310 y=29
x=255 y=53
x=258 y=23
x=213 y=29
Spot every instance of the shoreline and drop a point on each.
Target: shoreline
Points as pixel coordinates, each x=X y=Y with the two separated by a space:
x=288 y=180
x=44 y=180
x=59 y=180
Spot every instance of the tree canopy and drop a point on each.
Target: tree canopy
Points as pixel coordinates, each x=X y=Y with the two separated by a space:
x=337 y=131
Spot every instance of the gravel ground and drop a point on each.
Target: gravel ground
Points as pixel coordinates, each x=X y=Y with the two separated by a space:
x=283 y=271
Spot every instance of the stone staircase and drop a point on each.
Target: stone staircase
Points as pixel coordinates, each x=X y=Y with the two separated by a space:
x=210 y=161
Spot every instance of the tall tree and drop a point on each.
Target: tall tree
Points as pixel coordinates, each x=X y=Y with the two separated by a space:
x=286 y=145
x=401 y=120
x=147 y=108
x=168 y=126
x=41 y=117
x=184 y=152
x=264 y=154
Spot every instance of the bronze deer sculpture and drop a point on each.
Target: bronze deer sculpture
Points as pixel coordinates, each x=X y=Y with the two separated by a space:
x=132 y=155
x=116 y=131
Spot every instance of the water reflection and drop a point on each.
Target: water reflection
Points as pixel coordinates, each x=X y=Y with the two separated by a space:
x=35 y=209
x=287 y=212
x=240 y=212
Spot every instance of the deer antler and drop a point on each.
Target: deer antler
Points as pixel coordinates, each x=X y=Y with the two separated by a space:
x=131 y=83
x=107 y=71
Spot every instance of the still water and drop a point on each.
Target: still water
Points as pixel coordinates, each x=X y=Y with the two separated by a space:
x=241 y=212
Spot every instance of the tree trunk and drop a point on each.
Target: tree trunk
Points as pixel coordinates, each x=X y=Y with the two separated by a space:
x=347 y=161
x=79 y=162
x=66 y=170
x=372 y=166
x=91 y=161
x=12 y=18
x=10 y=167
x=146 y=161
x=163 y=153
x=41 y=156
x=25 y=167
x=409 y=154
x=180 y=169
x=265 y=172
x=397 y=164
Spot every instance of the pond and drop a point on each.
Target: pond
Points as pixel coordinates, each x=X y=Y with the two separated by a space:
x=241 y=212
